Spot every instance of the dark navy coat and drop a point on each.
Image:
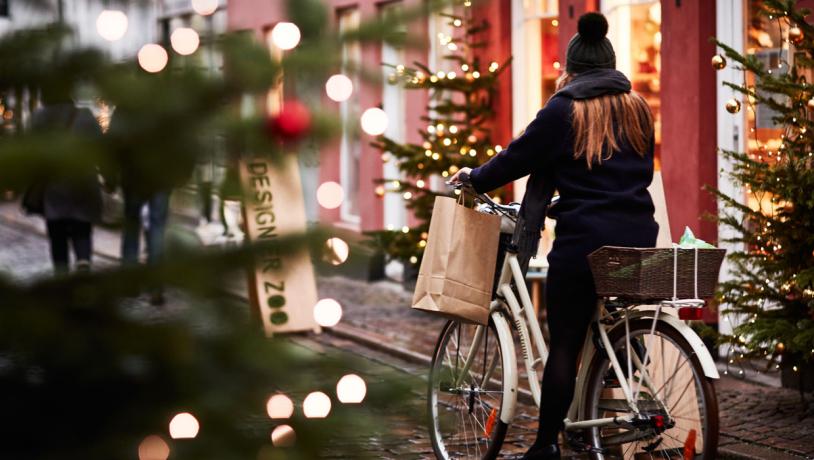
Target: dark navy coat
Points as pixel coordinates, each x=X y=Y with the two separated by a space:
x=606 y=205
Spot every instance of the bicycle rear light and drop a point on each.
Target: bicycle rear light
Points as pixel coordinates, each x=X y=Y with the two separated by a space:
x=690 y=313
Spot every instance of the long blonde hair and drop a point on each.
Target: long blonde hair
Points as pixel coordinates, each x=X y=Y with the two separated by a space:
x=595 y=131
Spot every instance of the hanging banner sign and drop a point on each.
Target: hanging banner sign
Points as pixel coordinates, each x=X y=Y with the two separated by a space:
x=282 y=286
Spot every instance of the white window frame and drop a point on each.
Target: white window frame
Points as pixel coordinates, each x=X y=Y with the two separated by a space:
x=350 y=138
x=731 y=29
x=393 y=103
x=527 y=67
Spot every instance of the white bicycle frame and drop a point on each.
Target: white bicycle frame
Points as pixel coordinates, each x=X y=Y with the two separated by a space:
x=520 y=310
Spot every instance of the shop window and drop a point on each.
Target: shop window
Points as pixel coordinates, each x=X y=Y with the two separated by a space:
x=635 y=31
x=765 y=41
x=350 y=150
x=535 y=43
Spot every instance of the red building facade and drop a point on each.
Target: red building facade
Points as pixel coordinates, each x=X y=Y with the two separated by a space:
x=682 y=79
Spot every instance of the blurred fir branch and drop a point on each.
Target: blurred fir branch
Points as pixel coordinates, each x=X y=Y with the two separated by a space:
x=84 y=373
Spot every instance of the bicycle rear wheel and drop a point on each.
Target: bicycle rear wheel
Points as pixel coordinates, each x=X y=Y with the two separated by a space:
x=679 y=413
x=464 y=406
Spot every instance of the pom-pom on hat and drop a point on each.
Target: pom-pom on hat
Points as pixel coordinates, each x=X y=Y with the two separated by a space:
x=590 y=48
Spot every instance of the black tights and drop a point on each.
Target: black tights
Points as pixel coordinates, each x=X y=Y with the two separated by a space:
x=570 y=306
x=60 y=232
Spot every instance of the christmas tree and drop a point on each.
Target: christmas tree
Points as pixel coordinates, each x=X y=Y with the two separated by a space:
x=87 y=373
x=770 y=292
x=457 y=133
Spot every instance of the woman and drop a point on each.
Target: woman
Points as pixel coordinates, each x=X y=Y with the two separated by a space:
x=593 y=142
x=70 y=205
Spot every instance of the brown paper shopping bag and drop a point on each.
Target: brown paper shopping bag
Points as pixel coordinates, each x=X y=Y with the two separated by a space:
x=456 y=275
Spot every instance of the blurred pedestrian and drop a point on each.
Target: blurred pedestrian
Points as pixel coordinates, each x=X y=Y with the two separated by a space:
x=70 y=205
x=146 y=179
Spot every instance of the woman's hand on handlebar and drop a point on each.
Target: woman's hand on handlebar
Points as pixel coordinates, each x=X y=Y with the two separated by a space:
x=457 y=177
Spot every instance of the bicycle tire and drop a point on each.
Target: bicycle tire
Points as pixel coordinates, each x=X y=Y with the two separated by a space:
x=597 y=380
x=444 y=447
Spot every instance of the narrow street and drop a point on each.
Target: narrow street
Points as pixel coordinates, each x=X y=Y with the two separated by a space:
x=395 y=342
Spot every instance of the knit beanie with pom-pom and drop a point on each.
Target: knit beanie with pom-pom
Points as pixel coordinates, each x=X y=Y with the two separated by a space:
x=590 y=49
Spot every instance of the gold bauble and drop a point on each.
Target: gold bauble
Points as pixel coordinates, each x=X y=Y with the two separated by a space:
x=733 y=106
x=779 y=348
x=380 y=190
x=718 y=62
x=795 y=35
x=811 y=103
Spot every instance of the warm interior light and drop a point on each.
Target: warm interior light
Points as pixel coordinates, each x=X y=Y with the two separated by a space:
x=285 y=35
x=185 y=41
x=111 y=25
x=184 y=426
x=337 y=251
x=280 y=406
x=339 y=87
x=152 y=58
x=330 y=195
x=374 y=121
x=283 y=436
x=316 y=405
x=351 y=389
x=205 y=7
x=153 y=448
x=327 y=312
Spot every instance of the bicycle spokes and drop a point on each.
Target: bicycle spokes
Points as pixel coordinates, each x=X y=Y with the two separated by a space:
x=669 y=415
x=466 y=391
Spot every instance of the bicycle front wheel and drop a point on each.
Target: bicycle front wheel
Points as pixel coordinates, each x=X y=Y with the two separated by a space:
x=467 y=388
x=677 y=403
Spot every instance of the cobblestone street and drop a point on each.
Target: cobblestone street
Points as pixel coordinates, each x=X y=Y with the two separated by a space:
x=756 y=421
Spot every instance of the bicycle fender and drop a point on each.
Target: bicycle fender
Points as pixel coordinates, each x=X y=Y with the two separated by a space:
x=707 y=363
x=509 y=368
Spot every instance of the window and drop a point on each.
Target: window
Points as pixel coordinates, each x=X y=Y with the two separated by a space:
x=395 y=215
x=764 y=40
x=350 y=150
x=4 y=8
x=635 y=31
x=535 y=43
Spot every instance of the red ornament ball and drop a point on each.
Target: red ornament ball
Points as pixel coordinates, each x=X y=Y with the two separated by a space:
x=292 y=123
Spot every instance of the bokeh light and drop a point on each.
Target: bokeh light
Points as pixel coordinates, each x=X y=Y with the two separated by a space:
x=327 y=312
x=337 y=251
x=185 y=41
x=153 y=448
x=330 y=195
x=152 y=58
x=285 y=35
x=316 y=405
x=184 y=426
x=205 y=7
x=339 y=87
x=111 y=25
x=280 y=406
x=351 y=389
x=374 y=121
x=283 y=436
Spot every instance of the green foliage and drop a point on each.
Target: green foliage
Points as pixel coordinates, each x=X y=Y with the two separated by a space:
x=457 y=134
x=772 y=287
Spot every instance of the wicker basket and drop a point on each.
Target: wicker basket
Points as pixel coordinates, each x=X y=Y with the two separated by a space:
x=647 y=273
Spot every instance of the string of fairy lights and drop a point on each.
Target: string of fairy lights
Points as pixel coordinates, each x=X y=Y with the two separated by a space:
x=764 y=158
x=280 y=407
x=457 y=132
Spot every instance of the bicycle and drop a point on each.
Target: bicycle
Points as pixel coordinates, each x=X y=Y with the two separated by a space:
x=626 y=403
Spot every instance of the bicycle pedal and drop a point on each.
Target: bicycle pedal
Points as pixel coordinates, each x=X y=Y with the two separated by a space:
x=576 y=444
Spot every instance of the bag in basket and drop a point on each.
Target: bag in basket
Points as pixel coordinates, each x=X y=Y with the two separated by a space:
x=456 y=274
